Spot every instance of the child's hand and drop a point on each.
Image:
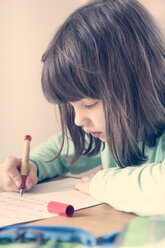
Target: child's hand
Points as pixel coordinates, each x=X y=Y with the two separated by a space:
x=11 y=178
x=83 y=184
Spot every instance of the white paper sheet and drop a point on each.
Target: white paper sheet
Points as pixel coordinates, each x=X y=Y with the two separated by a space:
x=33 y=205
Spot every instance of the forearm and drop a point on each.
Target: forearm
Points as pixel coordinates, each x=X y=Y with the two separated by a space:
x=140 y=190
x=42 y=156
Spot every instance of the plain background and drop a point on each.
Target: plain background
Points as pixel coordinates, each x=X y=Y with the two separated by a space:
x=26 y=27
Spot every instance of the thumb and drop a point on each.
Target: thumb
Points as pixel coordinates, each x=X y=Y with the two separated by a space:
x=13 y=165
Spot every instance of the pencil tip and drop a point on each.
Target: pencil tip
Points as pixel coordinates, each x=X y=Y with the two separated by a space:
x=21 y=192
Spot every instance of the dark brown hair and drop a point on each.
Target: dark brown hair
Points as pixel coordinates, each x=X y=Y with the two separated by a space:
x=110 y=50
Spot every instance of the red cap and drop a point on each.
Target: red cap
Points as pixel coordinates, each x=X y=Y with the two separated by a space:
x=28 y=137
x=60 y=208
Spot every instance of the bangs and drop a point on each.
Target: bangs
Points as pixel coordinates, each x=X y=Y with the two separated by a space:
x=69 y=69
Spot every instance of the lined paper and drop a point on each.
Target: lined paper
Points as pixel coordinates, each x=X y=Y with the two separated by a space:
x=33 y=204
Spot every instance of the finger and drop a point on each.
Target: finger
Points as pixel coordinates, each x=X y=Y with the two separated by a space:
x=12 y=162
x=78 y=185
x=10 y=185
x=12 y=170
x=31 y=179
x=82 y=187
x=15 y=177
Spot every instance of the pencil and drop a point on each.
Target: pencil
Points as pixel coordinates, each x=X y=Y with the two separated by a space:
x=25 y=163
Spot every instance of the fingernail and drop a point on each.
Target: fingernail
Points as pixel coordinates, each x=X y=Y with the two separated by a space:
x=18 y=183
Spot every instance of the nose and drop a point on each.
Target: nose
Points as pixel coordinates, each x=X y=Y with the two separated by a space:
x=80 y=119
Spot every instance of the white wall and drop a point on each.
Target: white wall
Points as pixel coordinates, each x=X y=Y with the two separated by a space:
x=26 y=27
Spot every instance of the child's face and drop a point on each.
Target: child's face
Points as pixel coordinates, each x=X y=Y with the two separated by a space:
x=89 y=114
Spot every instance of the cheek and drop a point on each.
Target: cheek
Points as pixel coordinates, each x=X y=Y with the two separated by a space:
x=100 y=120
x=101 y=117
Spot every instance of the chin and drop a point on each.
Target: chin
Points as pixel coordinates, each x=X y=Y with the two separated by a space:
x=103 y=139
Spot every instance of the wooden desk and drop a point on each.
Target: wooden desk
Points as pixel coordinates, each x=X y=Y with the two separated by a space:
x=101 y=219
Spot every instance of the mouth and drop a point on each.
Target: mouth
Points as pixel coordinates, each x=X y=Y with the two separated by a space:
x=95 y=134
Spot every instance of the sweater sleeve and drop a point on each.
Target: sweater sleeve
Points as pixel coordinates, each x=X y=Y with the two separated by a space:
x=47 y=168
x=135 y=189
x=139 y=190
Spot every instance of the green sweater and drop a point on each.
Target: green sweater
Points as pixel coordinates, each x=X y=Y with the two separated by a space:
x=136 y=189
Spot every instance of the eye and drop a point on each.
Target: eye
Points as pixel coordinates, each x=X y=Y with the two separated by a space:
x=89 y=106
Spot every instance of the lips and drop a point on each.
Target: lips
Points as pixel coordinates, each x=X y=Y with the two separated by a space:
x=94 y=134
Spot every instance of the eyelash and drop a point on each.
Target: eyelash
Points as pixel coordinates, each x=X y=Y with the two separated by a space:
x=90 y=106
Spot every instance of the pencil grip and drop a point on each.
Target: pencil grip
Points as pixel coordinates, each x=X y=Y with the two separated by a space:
x=23 y=186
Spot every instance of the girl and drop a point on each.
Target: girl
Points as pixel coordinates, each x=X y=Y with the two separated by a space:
x=105 y=69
